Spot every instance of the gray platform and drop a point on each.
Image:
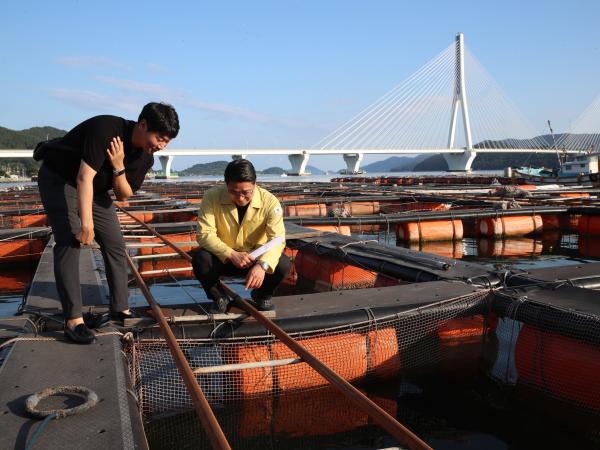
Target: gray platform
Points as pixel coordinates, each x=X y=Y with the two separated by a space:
x=32 y=365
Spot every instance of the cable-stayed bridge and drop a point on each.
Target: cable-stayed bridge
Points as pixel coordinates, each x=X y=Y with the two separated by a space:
x=450 y=106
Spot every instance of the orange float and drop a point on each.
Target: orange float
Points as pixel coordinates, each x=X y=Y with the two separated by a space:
x=21 y=250
x=176 y=237
x=509 y=226
x=314 y=209
x=574 y=194
x=551 y=222
x=384 y=357
x=250 y=382
x=345 y=354
x=342 y=229
x=165 y=265
x=589 y=225
x=509 y=247
x=355 y=208
x=559 y=365
x=435 y=230
x=589 y=246
x=448 y=249
x=328 y=274
x=31 y=220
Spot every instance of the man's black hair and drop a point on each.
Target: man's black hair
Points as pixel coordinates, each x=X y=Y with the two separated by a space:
x=161 y=118
x=240 y=170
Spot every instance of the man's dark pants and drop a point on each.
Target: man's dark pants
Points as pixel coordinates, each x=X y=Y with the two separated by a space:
x=208 y=268
x=60 y=203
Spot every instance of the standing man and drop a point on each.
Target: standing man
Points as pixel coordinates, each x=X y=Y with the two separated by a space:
x=99 y=154
x=233 y=220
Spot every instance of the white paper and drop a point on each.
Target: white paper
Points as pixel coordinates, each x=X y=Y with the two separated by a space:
x=266 y=247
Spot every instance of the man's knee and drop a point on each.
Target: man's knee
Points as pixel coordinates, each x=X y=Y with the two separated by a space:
x=202 y=262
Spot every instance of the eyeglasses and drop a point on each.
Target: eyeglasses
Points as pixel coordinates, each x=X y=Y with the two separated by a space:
x=247 y=193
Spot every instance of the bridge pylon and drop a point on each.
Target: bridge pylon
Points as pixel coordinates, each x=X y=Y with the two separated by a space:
x=461 y=160
x=298 y=162
x=165 y=162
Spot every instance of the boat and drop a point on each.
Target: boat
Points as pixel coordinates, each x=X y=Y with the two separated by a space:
x=580 y=169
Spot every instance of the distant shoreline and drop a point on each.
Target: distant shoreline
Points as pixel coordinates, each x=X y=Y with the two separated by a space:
x=15 y=180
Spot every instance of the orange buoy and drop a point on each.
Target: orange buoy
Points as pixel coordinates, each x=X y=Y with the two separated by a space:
x=551 y=222
x=560 y=366
x=589 y=225
x=435 y=230
x=327 y=274
x=30 y=220
x=460 y=343
x=448 y=249
x=174 y=237
x=249 y=382
x=574 y=194
x=342 y=229
x=384 y=357
x=589 y=246
x=165 y=265
x=354 y=208
x=21 y=250
x=509 y=225
x=509 y=247
x=345 y=354
x=321 y=413
x=313 y=209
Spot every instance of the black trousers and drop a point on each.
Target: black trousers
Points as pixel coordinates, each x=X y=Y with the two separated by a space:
x=208 y=268
x=60 y=202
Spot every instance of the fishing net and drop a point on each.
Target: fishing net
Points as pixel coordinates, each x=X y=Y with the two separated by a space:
x=549 y=350
x=446 y=336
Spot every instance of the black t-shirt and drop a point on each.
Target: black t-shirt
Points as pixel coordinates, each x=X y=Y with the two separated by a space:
x=241 y=212
x=89 y=141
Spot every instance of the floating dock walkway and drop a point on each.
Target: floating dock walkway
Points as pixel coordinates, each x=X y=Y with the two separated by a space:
x=46 y=360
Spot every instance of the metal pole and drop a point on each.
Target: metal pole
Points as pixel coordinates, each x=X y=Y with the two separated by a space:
x=203 y=410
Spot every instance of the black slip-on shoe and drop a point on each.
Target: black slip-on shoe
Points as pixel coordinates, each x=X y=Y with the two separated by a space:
x=262 y=303
x=80 y=334
x=96 y=320
x=265 y=304
x=121 y=316
x=219 y=306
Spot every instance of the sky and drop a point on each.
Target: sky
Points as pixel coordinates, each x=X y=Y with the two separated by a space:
x=282 y=73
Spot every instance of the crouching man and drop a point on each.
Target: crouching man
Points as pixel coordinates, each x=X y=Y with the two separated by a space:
x=234 y=220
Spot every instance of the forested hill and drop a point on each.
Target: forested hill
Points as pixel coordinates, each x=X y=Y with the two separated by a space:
x=24 y=139
x=27 y=138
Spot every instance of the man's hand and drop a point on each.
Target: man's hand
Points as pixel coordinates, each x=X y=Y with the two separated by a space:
x=241 y=260
x=255 y=277
x=86 y=235
x=116 y=153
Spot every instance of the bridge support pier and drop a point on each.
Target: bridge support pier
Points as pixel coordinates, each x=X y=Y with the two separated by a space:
x=298 y=162
x=165 y=162
x=460 y=162
x=353 y=161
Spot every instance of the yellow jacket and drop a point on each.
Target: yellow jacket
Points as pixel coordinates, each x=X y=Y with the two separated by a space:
x=220 y=233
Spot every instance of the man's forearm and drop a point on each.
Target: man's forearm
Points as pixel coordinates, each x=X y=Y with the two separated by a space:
x=85 y=195
x=121 y=187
